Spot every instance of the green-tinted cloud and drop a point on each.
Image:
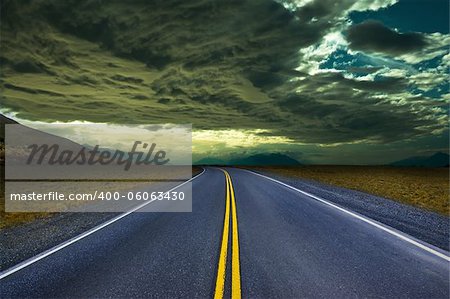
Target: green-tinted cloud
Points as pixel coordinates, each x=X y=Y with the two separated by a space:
x=222 y=65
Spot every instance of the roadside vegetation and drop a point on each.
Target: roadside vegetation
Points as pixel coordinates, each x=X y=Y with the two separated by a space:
x=12 y=219
x=426 y=188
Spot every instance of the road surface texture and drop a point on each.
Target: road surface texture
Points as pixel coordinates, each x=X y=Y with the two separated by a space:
x=422 y=224
x=247 y=236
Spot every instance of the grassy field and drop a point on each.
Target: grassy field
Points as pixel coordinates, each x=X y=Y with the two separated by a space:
x=11 y=219
x=426 y=188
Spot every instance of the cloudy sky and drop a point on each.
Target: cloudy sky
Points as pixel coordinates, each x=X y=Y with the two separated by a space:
x=324 y=81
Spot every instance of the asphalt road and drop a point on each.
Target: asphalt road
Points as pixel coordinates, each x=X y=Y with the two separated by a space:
x=276 y=242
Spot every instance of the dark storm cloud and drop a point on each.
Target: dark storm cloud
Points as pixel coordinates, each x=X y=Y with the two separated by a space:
x=195 y=34
x=373 y=36
x=333 y=108
x=216 y=64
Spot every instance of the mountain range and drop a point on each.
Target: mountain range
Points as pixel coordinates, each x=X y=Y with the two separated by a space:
x=270 y=159
x=436 y=160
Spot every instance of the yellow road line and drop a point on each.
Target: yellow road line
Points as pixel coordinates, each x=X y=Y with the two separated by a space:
x=221 y=269
x=235 y=264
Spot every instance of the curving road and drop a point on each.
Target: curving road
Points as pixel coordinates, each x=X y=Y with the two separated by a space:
x=275 y=242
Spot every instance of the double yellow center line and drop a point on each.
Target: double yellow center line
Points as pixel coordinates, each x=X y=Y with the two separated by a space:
x=235 y=267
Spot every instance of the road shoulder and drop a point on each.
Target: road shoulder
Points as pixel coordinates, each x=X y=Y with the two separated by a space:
x=421 y=224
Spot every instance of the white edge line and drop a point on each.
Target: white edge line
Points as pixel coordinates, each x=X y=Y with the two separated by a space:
x=56 y=248
x=367 y=220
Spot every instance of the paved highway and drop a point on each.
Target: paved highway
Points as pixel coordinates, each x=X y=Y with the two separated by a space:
x=247 y=236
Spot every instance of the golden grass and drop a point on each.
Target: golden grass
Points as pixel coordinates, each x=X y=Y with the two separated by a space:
x=426 y=188
x=12 y=219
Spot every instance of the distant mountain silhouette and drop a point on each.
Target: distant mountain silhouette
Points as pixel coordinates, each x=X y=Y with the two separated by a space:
x=436 y=160
x=25 y=136
x=210 y=161
x=253 y=160
x=265 y=159
x=4 y=120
